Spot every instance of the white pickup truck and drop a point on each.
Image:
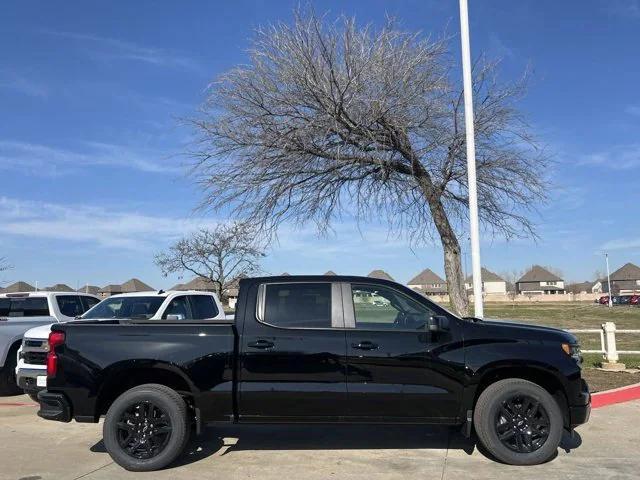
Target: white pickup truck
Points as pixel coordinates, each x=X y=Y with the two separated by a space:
x=21 y=311
x=170 y=305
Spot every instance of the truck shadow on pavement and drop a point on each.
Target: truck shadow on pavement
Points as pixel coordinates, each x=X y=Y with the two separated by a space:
x=225 y=439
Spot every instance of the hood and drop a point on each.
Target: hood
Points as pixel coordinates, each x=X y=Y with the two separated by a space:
x=525 y=331
x=40 y=333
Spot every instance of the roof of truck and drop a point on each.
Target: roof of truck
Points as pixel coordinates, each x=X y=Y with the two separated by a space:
x=158 y=293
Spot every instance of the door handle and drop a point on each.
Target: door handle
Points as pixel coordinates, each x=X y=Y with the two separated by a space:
x=261 y=344
x=366 y=345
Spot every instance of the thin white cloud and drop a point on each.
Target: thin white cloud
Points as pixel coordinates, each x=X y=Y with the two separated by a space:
x=53 y=161
x=112 y=48
x=624 y=8
x=621 y=244
x=621 y=157
x=16 y=82
x=633 y=110
x=93 y=225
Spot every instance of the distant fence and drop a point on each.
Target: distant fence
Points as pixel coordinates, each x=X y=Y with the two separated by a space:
x=608 y=347
x=526 y=298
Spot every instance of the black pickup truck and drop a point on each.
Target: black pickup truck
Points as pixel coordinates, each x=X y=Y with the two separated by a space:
x=316 y=349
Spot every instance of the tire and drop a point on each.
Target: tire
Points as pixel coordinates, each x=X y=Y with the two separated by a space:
x=8 y=385
x=33 y=396
x=124 y=428
x=518 y=410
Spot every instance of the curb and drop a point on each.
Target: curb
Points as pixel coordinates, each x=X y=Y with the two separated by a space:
x=617 y=395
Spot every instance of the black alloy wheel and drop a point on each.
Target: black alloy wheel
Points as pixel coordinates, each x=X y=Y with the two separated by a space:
x=522 y=424
x=144 y=430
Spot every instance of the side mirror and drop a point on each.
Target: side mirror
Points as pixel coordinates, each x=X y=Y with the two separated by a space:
x=438 y=323
x=175 y=316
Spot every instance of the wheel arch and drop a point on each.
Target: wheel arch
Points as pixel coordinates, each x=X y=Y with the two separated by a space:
x=541 y=374
x=126 y=375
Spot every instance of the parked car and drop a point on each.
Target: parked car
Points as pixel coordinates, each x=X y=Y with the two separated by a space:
x=21 y=311
x=635 y=300
x=604 y=300
x=183 y=305
x=302 y=350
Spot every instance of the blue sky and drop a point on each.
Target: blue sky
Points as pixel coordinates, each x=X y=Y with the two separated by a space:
x=93 y=181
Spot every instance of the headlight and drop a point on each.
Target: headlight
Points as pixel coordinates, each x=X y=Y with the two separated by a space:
x=573 y=351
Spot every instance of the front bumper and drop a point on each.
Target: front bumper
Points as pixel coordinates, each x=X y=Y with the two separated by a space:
x=580 y=413
x=31 y=380
x=54 y=406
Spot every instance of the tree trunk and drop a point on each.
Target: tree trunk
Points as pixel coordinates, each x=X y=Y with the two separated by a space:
x=450 y=246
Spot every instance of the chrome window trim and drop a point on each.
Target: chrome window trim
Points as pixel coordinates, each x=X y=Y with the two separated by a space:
x=337 y=318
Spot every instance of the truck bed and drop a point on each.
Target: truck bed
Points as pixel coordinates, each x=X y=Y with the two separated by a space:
x=179 y=352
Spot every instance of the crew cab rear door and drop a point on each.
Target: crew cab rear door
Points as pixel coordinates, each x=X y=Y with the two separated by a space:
x=292 y=353
x=397 y=369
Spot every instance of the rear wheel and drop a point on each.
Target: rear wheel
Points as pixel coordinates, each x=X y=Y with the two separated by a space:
x=146 y=428
x=518 y=422
x=8 y=385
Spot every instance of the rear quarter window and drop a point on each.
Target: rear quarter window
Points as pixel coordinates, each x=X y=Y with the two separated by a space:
x=203 y=306
x=24 y=307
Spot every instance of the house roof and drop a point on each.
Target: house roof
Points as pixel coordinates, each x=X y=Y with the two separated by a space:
x=426 y=277
x=202 y=284
x=330 y=272
x=539 y=274
x=135 y=285
x=60 y=287
x=628 y=271
x=89 y=289
x=381 y=274
x=19 y=287
x=487 y=276
x=111 y=288
x=285 y=274
x=178 y=286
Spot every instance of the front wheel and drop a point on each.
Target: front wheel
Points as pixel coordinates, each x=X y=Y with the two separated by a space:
x=518 y=422
x=146 y=428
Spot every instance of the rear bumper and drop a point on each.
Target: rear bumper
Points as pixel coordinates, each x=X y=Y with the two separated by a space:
x=54 y=406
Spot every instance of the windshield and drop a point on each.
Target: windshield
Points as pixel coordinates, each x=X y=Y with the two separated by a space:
x=126 y=307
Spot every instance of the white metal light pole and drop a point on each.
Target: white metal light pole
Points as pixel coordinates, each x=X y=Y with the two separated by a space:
x=474 y=227
x=606 y=256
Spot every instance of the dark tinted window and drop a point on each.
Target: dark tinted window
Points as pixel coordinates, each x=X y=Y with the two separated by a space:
x=24 y=307
x=203 y=306
x=126 y=307
x=89 y=302
x=70 y=305
x=383 y=308
x=179 y=306
x=298 y=305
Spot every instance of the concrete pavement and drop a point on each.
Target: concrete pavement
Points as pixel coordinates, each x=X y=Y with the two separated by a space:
x=35 y=449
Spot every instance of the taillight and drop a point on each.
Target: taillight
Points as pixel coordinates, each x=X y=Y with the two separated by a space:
x=55 y=339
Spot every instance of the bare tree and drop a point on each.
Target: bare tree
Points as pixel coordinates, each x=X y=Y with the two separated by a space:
x=329 y=119
x=220 y=254
x=4 y=266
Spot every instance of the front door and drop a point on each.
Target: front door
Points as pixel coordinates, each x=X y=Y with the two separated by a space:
x=397 y=369
x=293 y=351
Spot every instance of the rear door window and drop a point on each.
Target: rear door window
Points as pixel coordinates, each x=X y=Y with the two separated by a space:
x=298 y=305
x=179 y=307
x=70 y=305
x=203 y=306
x=24 y=307
x=88 y=302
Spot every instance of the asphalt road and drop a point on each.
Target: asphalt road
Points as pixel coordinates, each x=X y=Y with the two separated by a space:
x=35 y=449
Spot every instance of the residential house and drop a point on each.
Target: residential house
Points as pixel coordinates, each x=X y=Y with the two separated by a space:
x=19 y=287
x=540 y=281
x=92 y=289
x=135 y=285
x=330 y=272
x=381 y=274
x=429 y=283
x=111 y=289
x=231 y=290
x=491 y=283
x=580 y=287
x=624 y=281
